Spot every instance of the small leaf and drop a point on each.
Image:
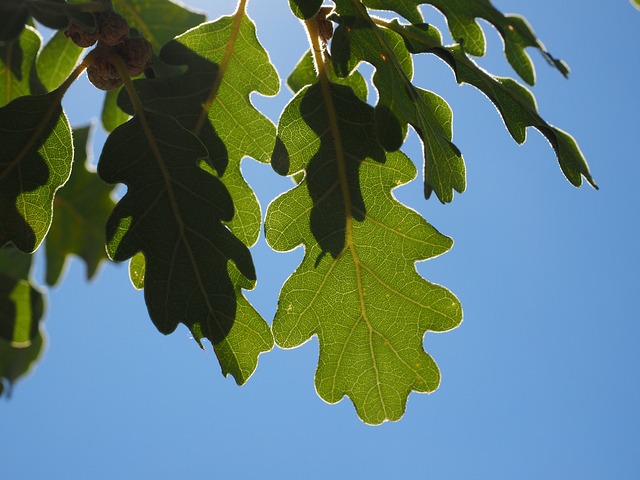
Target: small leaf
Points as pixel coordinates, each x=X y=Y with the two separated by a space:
x=515 y=103
x=305 y=9
x=36 y=153
x=81 y=209
x=172 y=213
x=357 y=288
x=17 y=59
x=57 y=60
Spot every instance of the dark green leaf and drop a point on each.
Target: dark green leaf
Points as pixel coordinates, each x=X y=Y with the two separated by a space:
x=14 y=14
x=17 y=59
x=81 y=209
x=357 y=288
x=226 y=64
x=172 y=214
x=514 y=102
x=36 y=154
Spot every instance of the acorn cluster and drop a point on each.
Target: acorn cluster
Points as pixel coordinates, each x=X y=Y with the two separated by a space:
x=112 y=37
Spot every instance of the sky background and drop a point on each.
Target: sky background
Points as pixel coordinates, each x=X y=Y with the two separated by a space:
x=540 y=381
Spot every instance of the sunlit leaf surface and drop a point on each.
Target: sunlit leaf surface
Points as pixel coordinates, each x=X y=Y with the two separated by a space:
x=357 y=288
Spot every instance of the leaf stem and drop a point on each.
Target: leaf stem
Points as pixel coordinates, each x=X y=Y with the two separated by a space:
x=241 y=11
x=325 y=87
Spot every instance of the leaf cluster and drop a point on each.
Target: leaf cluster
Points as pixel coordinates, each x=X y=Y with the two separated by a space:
x=177 y=136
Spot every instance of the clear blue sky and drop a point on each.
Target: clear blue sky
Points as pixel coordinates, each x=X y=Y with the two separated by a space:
x=540 y=381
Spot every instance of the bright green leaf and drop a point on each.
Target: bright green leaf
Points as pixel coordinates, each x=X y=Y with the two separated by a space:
x=81 y=209
x=17 y=59
x=172 y=213
x=36 y=153
x=57 y=60
x=357 y=288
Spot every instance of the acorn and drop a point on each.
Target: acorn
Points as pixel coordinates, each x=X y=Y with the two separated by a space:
x=136 y=53
x=112 y=27
x=80 y=36
x=103 y=74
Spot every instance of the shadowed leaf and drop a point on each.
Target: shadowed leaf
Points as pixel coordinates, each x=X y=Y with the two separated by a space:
x=172 y=213
x=17 y=60
x=226 y=64
x=357 y=288
x=36 y=153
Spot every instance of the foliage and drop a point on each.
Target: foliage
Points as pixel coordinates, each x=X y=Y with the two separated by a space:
x=178 y=133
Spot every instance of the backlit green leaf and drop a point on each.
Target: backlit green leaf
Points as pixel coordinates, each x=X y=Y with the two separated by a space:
x=357 y=288
x=172 y=213
x=57 y=60
x=36 y=153
x=81 y=209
